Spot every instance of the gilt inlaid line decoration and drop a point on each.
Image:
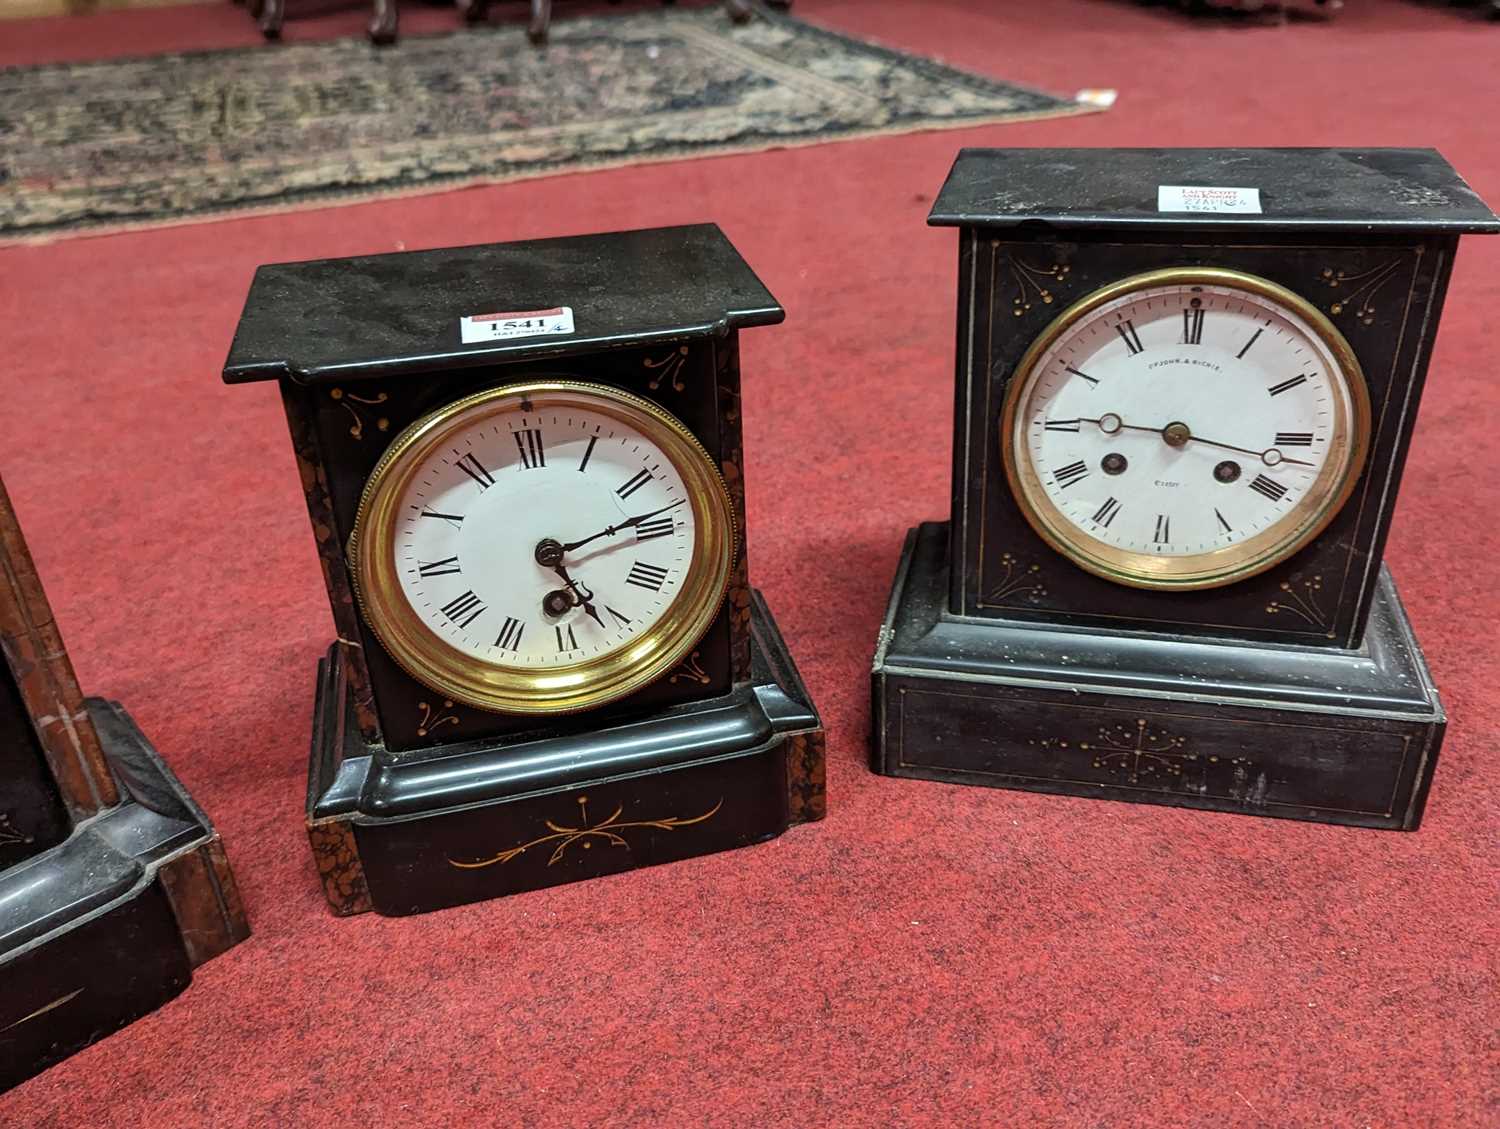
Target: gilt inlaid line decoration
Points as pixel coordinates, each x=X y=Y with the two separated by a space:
x=301 y=124
x=1018 y=583
x=690 y=670
x=1034 y=283
x=8 y=833
x=668 y=368
x=1356 y=292
x=43 y=1010
x=349 y=399
x=1139 y=752
x=434 y=717
x=607 y=832
x=1299 y=600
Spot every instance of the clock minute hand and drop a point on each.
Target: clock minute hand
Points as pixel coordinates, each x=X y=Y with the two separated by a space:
x=1258 y=454
x=1110 y=423
x=611 y=530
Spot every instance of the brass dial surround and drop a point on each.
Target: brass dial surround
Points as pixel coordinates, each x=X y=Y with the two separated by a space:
x=1332 y=488
x=511 y=688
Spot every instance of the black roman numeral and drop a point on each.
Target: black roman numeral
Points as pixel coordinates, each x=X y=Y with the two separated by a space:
x=1061 y=425
x=1073 y=472
x=1294 y=439
x=509 y=638
x=529 y=443
x=657 y=527
x=636 y=482
x=1163 y=529
x=1269 y=487
x=647 y=576
x=471 y=466
x=1192 y=327
x=1227 y=527
x=445 y=567
x=1079 y=372
x=464 y=610
x=1106 y=513
x=1278 y=389
x=1241 y=354
x=588 y=453
x=622 y=620
x=1126 y=330
x=566 y=642
x=452 y=519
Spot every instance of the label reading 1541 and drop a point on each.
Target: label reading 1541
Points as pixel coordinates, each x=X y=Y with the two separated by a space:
x=517 y=323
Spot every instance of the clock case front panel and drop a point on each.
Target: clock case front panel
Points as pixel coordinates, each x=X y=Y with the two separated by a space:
x=1388 y=292
x=405 y=787
x=345 y=427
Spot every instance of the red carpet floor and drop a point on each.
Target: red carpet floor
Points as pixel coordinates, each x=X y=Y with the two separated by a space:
x=929 y=955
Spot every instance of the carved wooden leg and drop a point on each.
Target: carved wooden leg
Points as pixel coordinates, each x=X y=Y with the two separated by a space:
x=474 y=11
x=383 y=23
x=272 y=13
x=739 y=10
x=541 y=20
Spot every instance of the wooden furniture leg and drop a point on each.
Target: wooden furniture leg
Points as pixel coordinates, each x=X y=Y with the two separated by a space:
x=272 y=15
x=384 y=22
x=474 y=11
x=541 y=21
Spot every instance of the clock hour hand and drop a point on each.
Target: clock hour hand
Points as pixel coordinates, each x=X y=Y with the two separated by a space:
x=611 y=530
x=1178 y=435
x=549 y=554
x=582 y=597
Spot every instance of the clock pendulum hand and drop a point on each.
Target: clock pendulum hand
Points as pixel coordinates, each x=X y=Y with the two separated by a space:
x=611 y=530
x=1178 y=435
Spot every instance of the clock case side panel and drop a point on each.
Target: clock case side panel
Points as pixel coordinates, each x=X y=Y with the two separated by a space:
x=346 y=426
x=52 y=770
x=1386 y=302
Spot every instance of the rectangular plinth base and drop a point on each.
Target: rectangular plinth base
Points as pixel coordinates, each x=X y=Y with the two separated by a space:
x=1338 y=736
x=409 y=833
x=109 y=924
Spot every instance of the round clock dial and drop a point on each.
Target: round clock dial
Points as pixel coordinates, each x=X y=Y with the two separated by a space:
x=1185 y=428
x=543 y=547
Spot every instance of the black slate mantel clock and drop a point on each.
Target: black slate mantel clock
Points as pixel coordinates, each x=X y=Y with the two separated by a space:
x=522 y=464
x=1187 y=380
x=114 y=886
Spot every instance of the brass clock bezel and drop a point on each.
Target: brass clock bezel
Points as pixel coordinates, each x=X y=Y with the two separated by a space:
x=502 y=688
x=1232 y=563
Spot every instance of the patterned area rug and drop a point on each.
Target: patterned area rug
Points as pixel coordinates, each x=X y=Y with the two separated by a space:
x=175 y=137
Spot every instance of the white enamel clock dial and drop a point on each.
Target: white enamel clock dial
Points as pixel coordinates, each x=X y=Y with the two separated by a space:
x=1186 y=428
x=543 y=547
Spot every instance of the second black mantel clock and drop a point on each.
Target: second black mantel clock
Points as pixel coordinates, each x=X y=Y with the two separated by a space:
x=522 y=463
x=1187 y=380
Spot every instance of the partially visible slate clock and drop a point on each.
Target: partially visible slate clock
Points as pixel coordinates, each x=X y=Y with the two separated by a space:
x=114 y=886
x=1187 y=380
x=522 y=464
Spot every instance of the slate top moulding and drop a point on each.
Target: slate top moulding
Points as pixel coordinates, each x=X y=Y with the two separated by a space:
x=397 y=314
x=1348 y=191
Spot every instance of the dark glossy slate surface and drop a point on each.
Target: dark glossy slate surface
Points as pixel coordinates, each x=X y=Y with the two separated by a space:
x=384 y=315
x=1323 y=190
